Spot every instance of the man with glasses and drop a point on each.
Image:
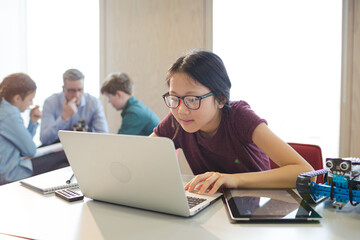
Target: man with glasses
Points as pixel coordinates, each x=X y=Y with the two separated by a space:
x=70 y=108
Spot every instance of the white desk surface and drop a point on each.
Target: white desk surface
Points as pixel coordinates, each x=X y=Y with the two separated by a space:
x=29 y=214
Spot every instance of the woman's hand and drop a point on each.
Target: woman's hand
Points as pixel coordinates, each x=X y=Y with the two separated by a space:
x=35 y=114
x=211 y=182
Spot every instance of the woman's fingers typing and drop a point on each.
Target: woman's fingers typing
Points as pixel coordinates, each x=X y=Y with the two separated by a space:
x=211 y=182
x=205 y=183
x=190 y=186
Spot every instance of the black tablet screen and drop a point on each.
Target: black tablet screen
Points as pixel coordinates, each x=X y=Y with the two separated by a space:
x=267 y=204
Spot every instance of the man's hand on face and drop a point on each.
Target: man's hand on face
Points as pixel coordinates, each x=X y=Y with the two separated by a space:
x=69 y=109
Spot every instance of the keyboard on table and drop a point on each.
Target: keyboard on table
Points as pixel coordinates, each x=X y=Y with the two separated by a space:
x=193 y=201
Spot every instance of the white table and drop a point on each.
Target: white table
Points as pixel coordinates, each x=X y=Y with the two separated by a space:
x=27 y=213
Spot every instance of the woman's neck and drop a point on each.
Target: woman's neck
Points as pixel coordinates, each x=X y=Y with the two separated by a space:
x=214 y=126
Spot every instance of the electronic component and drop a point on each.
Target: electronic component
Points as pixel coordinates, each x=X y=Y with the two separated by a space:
x=81 y=126
x=69 y=195
x=342 y=182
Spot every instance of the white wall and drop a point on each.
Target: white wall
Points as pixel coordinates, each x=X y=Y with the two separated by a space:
x=143 y=38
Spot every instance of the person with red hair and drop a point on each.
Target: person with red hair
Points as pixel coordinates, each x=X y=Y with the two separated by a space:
x=17 y=92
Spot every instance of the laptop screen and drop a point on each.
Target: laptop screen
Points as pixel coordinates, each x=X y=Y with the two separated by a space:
x=268 y=205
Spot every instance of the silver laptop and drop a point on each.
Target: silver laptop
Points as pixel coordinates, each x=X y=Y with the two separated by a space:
x=135 y=171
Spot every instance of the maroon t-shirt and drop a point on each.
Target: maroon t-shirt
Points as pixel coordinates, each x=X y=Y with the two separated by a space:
x=230 y=150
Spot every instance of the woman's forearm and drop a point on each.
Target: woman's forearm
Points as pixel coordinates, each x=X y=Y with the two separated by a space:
x=284 y=177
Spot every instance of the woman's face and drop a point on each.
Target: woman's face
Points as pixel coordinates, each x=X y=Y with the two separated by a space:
x=23 y=104
x=207 y=118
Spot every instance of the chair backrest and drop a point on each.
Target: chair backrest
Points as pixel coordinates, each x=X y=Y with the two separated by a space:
x=311 y=153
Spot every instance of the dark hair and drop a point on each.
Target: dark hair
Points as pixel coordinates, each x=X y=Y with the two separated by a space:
x=117 y=81
x=73 y=75
x=206 y=68
x=16 y=83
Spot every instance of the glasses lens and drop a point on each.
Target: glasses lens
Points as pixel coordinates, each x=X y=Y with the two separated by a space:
x=171 y=101
x=73 y=91
x=192 y=102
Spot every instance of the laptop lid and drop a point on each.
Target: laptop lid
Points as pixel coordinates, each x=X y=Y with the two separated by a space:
x=135 y=171
x=268 y=205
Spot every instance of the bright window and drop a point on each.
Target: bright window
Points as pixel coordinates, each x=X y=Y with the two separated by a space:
x=13 y=37
x=284 y=58
x=62 y=35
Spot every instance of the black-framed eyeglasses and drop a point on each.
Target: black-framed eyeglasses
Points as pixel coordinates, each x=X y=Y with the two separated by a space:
x=73 y=90
x=191 y=102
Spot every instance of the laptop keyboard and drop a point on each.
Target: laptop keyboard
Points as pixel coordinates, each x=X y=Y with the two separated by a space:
x=193 y=201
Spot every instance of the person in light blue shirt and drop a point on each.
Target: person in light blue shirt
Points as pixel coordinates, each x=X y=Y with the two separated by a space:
x=137 y=119
x=16 y=141
x=64 y=110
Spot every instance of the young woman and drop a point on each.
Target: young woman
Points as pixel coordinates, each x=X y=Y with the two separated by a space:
x=16 y=142
x=225 y=142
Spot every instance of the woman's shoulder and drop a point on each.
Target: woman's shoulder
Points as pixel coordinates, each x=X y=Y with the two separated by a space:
x=166 y=127
x=8 y=110
x=238 y=107
x=239 y=116
x=9 y=116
